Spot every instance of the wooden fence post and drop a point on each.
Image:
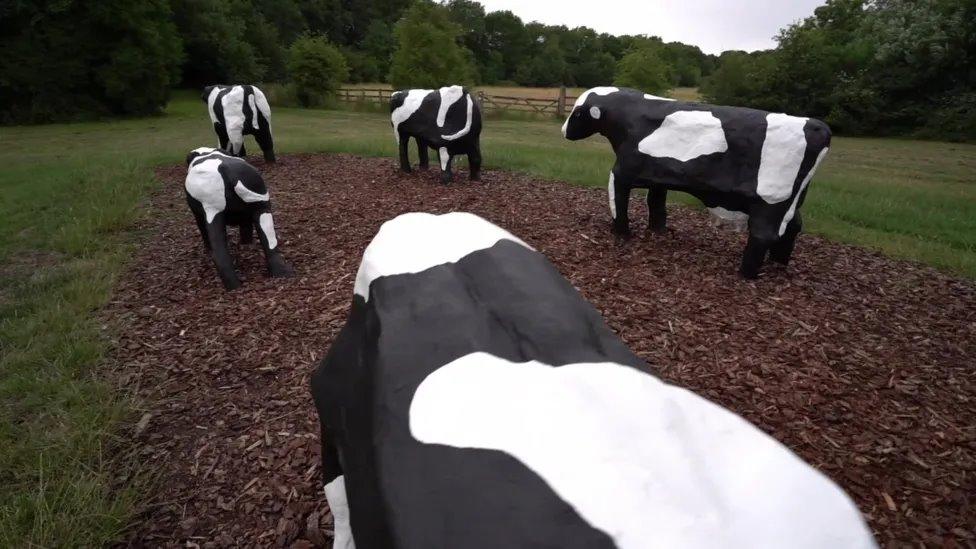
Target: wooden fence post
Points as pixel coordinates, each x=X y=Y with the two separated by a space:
x=561 y=105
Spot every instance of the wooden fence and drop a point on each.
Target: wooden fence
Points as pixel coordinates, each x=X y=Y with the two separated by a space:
x=559 y=105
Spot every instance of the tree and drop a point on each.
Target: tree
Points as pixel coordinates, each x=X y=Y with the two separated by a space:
x=70 y=60
x=506 y=35
x=428 y=54
x=742 y=79
x=317 y=69
x=644 y=70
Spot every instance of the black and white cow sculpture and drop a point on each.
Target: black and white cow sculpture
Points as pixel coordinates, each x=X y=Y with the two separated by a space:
x=743 y=160
x=474 y=399
x=237 y=111
x=448 y=120
x=225 y=190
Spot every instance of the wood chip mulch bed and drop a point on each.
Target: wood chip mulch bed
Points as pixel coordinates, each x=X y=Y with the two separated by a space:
x=863 y=365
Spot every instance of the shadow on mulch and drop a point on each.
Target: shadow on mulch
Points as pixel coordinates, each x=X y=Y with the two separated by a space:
x=861 y=364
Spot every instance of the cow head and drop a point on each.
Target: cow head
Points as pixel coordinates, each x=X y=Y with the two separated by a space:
x=587 y=115
x=198 y=152
x=206 y=93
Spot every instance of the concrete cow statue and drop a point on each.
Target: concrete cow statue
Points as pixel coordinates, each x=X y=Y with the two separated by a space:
x=474 y=399
x=224 y=190
x=742 y=160
x=237 y=111
x=448 y=120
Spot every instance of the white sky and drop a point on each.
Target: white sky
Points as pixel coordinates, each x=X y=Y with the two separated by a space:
x=712 y=25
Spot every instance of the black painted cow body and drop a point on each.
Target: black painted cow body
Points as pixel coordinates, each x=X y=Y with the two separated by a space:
x=447 y=120
x=225 y=190
x=474 y=399
x=742 y=160
x=237 y=111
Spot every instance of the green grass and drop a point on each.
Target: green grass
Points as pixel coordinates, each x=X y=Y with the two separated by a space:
x=69 y=195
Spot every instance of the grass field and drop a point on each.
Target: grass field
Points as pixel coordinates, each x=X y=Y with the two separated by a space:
x=72 y=192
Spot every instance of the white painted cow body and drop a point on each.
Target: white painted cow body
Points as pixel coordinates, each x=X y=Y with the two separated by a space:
x=475 y=400
x=240 y=110
x=752 y=162
x=447 y=120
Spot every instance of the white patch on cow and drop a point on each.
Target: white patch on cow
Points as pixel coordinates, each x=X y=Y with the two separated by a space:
x=233 y=104
x=649 y=464
x=685 y=135
x=444 y=157
x=335 y=494
x=262 y=102
x=656 y=98
x=595 y=113
x=600 y=90
x=803 y=186
x=415 y=242
x=613 y=197
x=211 y=101
x=449 y=96
x=782 y=154
x=204 y=150
x=467 y=125
x=410 y=105
x=247 y=195
x=266 y=223
x=205 y=184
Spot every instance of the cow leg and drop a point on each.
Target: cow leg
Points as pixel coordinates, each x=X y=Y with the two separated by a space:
x=201 y=222
x=657 y=209
x=217 y=236
x=474 y=161
x=335 y=494
x=618 y=190
x=424 y=153
x=265 y=141
x=222 y=139
x=445 y=158
x=754 y=256
x=404 y=155
x=247 y=232
x=782 y=250
x=277 y=268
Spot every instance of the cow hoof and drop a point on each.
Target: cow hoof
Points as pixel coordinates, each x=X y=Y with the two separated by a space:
x=231 y=285
x=281 y=271
x=659 y=231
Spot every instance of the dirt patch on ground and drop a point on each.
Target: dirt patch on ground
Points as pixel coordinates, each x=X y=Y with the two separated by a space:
x=861 y=364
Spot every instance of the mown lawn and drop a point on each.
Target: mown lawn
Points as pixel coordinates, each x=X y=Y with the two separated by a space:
x=70 y=195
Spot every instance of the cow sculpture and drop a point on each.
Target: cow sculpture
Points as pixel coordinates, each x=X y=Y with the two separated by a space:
x=448 y=120
x=474 y=399
x=224 y=190
x=743 y=160
x=237 y=111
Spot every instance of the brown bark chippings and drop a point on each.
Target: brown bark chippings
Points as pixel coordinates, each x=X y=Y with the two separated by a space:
x=861 y=364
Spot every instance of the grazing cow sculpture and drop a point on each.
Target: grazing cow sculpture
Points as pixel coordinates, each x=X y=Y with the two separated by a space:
x=224 y=190
x=742 y=160
x=237 y=111
x=474 y=399
x=448 y=120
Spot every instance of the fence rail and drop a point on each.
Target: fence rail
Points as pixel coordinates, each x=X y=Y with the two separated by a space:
x=554 y=106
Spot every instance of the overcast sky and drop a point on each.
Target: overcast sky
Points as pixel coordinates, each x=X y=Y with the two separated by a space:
x=712 y=25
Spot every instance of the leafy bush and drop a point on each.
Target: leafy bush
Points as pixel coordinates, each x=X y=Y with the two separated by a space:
x=644 y=70
x=428 y=54
x=316 y=68
x=70 y=60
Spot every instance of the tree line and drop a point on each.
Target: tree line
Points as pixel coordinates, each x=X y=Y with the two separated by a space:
x=865 y=66
x=71 y=59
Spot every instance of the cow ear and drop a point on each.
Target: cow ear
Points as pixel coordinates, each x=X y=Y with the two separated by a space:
x=595 y=113
x=206 y=92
